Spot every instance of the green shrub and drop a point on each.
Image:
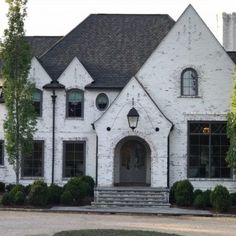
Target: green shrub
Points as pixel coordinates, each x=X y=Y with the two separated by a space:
x=233 y=198
x=89 y=180
x=172 y=193
x=66 y=198
x=196 y=193
x=9 y=187
x=6 y=199
x=38 y=195
x=199 y=201
x=27 y=189
x=54 y=194
x=72 y=186
x=19 y=198
x=220 y=199
x=14 y=190
x=207 y=198
x=2 y=187
x=184 y=193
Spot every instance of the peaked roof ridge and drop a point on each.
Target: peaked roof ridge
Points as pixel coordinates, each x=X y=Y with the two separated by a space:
x=63 y=37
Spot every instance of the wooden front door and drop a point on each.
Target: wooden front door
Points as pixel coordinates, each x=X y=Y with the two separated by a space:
x=133 y=157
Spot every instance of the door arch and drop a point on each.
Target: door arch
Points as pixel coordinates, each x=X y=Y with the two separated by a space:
x=132 y=164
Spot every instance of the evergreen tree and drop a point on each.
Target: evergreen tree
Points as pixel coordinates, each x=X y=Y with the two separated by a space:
x=20 y=122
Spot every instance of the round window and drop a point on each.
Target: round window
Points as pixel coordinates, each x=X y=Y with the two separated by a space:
x=102 y=101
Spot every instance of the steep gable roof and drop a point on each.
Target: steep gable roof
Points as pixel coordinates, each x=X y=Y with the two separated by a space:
x=232 y=55
x=112 y=47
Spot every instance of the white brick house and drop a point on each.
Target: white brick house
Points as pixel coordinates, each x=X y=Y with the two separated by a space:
x=176 y=75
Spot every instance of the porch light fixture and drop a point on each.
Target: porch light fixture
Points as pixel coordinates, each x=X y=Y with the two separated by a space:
x=133 y=117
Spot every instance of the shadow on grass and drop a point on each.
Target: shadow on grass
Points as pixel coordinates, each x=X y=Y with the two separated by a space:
x=108 y=232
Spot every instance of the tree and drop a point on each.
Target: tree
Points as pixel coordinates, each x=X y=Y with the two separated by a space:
x=19 y=125
x=231 y=130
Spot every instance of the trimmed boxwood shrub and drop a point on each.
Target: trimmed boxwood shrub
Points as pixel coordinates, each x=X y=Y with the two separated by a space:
x=19 y=198
x=233 y=198
x=89 y=180
x=6 y=199
x=9 y=187
x=184 y=193
x=220 y=199
x=196 y=193
x=207 y=198
x=172 y=193
x=2 y=187
x=38 y=195
x=66 y=198
x=27 y=189
x=199 y=201
x=54 y=194
x=78 y=188
x=14 y=190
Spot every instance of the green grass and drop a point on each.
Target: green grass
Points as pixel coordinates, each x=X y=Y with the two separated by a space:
x=108 y=232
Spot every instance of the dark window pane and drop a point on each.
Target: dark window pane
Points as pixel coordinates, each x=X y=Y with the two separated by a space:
x=74 y=103
x=37 y=102
x=102 y=101
x=74 y=159
x=189 y=82
x=32 y=166
x=208 y=146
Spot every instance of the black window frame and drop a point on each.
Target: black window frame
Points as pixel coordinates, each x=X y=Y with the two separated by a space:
x=102 y=94
x=41 y=102
x=210 y=148
x=22 y=167
x=2 y=153
x=64 y=157
x=182 y=83
x=67 y=103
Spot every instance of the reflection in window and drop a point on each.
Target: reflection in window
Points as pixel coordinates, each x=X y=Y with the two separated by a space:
x=37 y=101
x=74 y=159
x=189 y=82
x=75 y=101
x=32 y=166
x=102 y=101
x=208 y=146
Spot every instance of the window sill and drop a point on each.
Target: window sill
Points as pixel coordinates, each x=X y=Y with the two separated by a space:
x=74 y=118
x=2 y=166
x=32 y=178
x=189 y=96
x=212 y=179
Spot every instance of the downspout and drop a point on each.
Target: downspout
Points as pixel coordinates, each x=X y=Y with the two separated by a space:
x=96 y=168
x=53 y=131
x=168 y=158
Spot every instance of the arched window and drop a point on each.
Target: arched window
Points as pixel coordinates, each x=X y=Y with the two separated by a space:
x=75 y=103
x=189 y=82
x=37 y=101
x=102 y=101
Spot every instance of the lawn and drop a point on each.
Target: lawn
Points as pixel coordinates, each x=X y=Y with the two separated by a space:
x=109 y=232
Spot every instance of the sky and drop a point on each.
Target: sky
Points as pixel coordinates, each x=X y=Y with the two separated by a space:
x=58 y=17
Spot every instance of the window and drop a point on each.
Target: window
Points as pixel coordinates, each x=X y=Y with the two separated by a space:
x=37 y=101
x=32 y=166
x=74 y=159
x=189 y=82
x=102 y=101
x=207 y=148
x=1 y=152
x=75 y=100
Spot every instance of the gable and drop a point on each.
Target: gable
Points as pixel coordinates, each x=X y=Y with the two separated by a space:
x=112 y=48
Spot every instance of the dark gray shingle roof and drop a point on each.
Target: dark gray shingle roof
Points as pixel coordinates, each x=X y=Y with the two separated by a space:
x=39 y=44
x=112 y=47
x=232 y=55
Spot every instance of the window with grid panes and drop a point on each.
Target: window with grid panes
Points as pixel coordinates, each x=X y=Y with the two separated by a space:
x=207 y=149
x=74 y=159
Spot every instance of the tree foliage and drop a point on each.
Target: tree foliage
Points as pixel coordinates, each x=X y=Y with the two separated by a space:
x=231 y=130
x=20 y=122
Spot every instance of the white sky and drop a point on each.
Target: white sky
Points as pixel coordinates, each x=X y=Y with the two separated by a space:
x=58 y=17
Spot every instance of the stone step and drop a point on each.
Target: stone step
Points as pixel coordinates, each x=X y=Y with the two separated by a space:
x=124 y=204
x=130 y=198
x=129 y=201
x=130 y=193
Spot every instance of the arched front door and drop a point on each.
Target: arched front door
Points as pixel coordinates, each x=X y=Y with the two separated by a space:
x=133 y=162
